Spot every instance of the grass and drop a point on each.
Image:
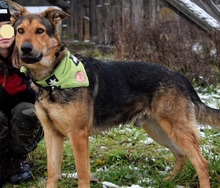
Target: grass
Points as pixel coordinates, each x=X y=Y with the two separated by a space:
x=129 y=160
x=126 y=156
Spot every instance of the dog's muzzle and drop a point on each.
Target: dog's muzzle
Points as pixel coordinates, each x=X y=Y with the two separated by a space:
x=28 y=55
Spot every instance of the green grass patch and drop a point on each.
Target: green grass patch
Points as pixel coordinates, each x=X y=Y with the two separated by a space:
x=122 y=156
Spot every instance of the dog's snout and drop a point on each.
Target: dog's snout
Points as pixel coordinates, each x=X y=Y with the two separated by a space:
x=26 y=48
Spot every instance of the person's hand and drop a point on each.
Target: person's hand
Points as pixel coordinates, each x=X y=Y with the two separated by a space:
x=13 y=84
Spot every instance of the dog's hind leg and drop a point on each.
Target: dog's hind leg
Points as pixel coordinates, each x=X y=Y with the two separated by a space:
x=175 y=114
x=154 y=130
x=186 y=138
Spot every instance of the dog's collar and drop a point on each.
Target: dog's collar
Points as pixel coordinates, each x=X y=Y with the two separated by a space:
x=70 y=73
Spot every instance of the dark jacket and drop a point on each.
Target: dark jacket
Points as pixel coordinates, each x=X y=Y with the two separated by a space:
x=8 y=100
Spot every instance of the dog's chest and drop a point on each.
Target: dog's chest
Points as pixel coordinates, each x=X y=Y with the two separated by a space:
x=52 y=116
x=63 y=117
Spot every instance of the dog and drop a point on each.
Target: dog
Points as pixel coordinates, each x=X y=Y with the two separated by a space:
x=161 y=101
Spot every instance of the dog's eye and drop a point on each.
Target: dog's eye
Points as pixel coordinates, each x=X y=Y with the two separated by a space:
x=20 y=31
x=39 y=31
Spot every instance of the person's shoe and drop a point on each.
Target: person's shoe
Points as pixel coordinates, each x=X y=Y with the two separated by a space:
x=19 y=170
x=3 y=169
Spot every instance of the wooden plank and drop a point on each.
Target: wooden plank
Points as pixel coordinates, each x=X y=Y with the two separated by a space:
x=100 y=33
x=86 y=21
x=86 y=32
x=152 y=9
x=93 y=19
x=106 y=21
x=203 y=23
x=79 y=17
x=137 y=13
x=209 y=7
x=71 y=22
x=126 y=13
x=116 y=13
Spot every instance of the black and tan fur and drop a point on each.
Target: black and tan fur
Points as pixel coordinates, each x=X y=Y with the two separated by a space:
x=156 y=98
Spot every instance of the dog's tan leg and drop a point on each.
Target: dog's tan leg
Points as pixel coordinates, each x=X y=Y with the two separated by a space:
x=54 y=145
x=175 y=114
x=154 y=130
x=79 y=140
x=185 y=136
x=179 y=163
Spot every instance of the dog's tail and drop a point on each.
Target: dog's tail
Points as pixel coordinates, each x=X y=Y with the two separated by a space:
x=204 y=114
x=207 y=115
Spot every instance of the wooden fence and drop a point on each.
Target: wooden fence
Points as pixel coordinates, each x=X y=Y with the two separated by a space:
x=91 y=20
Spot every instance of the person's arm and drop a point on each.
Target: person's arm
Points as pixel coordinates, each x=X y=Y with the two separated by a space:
x=13 y=84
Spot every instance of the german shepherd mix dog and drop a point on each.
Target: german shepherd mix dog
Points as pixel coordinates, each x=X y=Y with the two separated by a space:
x=80 y=96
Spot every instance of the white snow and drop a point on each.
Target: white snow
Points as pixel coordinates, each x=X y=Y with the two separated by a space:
x=109 y=185
x=70 y=175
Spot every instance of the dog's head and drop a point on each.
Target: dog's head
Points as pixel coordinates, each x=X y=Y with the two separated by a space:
x=36 y=35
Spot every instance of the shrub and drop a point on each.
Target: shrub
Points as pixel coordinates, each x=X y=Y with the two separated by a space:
x=178 y=45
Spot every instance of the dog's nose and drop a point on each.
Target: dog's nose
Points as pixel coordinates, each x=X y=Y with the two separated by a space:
x=26 y=48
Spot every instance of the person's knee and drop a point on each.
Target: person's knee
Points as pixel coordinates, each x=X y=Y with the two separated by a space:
x=24 y=112
x=26 y=130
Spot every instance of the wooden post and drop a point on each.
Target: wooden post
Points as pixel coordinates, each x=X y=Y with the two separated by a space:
x=106 y=20
x=126 y=13
x=137 y=13
x=79 y=17
x=70 y=22
x=153 y=11
x=100 y=28
x=86 y=21
x=116 y=13
x=93 y=20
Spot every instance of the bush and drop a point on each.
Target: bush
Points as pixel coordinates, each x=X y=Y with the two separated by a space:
x=178 y=45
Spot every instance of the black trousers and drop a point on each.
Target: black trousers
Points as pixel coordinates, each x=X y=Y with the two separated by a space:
x=20 y=133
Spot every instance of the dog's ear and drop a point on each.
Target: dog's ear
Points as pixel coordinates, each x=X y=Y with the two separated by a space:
x=54 y=15
x=16 y=10
x=15 y=58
